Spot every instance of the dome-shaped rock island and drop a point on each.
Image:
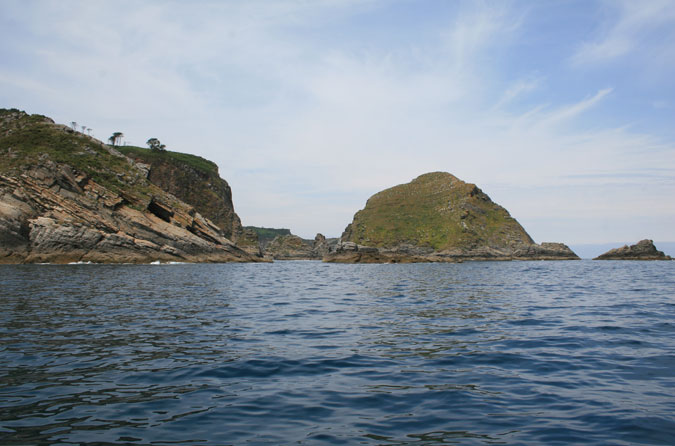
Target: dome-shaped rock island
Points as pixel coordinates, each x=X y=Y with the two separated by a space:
x=438 y=218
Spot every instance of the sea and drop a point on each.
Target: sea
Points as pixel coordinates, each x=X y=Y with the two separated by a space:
x=309 y=353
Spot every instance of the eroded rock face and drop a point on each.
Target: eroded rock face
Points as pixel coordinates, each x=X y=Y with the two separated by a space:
x=199 y=185
x=438 y=218
x=65 y=197
x=289 y=247
x=247 y=240
x=43 y=223
x=292 y=247
x=321 y=245
x=642 y=250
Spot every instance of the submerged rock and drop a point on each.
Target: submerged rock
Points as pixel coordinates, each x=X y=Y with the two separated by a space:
x=642 y=250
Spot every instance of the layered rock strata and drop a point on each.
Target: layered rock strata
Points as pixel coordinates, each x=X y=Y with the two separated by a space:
x=66 y=197
x=196 y=181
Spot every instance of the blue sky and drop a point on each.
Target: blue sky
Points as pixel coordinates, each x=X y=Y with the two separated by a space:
x=561 y=111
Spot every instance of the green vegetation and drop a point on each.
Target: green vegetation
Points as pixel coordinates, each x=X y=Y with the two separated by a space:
x=268 y=234
x=30 y=141
x=148 y=156
x=155 y=145
x=26 y=140
x=115 y=137
x=435 y=210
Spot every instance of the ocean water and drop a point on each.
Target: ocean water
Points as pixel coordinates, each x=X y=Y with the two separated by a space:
x=524 y=353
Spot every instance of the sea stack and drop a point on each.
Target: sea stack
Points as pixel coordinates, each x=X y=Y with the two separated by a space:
x=438 y=218
x=642 y=250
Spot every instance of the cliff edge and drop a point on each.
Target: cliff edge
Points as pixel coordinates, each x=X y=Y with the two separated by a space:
x=67 y=197
x=196 y=181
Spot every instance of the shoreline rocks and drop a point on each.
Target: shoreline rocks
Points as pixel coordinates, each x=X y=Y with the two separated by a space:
x=67 y=197
x=642 y=250
x=349 y=252
x=40 y=223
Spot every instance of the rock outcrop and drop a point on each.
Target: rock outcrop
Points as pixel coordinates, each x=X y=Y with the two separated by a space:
x=322 y=245
x=266 y=235
x=642 y=250
x=196 y=181
x=67 y=197
x=288 y=247
x=438 y=218
x=292 y=247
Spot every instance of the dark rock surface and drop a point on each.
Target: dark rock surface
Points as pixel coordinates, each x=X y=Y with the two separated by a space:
x=642 y=250
x=196 y=181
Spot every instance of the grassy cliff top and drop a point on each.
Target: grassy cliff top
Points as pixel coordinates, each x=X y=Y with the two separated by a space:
x=27 y=140
x=435 y=210
x=149 y=156
x=268 y=234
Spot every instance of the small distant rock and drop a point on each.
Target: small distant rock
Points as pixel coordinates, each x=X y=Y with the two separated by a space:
x=643 y=250
x=289 y=247
x=292 y=247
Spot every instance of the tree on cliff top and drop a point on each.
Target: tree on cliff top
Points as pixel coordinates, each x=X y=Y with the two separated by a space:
x=155 y=145
x=115 y=137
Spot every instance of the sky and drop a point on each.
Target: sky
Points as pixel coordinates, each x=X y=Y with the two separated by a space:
x=561 y=111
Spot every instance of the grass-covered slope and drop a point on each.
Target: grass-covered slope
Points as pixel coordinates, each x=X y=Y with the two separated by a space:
x=438 y=211
x=26 y=139
x=194 y=161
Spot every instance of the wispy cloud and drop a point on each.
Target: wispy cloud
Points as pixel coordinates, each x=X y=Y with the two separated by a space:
x=518 y=89
x=568 y=112
x=311 y=107
x=630 y=26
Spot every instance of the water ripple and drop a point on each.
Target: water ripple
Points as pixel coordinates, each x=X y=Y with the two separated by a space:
x=309 y=353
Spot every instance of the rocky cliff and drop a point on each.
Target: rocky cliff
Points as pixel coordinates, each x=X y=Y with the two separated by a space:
x=197 y=182
x=266 y=235
x=438 y=217
x=67 y=197
x=642 y=250
x=292 y=247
